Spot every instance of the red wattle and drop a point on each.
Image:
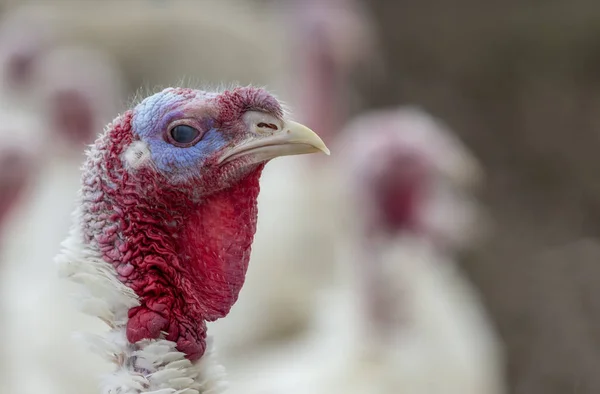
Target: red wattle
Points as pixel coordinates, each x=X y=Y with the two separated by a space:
x=185 y=257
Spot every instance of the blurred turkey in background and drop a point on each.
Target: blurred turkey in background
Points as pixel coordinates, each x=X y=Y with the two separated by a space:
x=448 y=245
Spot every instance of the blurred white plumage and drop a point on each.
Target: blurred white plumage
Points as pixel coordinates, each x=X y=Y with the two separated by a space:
x=154 y=44
x=44 y=356
x=289 y=263
x=160 y=44
x=327 y=41
x=20 y=156
x=401 y=318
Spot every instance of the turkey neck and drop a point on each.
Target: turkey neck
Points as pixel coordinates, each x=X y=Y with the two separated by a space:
x=184 y=257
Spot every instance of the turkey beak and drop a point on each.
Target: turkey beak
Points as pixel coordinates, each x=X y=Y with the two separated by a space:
x=292 y=139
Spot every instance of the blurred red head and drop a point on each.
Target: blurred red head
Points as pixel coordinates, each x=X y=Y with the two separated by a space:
x=16 y=169
x=398 y=189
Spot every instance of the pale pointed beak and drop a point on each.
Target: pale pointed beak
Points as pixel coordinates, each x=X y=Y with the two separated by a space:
x=293 y=139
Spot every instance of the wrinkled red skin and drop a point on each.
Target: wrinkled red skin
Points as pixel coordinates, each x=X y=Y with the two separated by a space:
x=19 y=69
x=185 y=256
x=72 y=116
x=15 y=170
x=381 y=304
x=320 y=99
x=398 y=204
x=396 y=209
x=396 y=195
x=233 y=103
x=9 y=195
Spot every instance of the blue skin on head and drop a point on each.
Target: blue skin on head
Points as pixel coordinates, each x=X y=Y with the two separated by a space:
x=151 y=119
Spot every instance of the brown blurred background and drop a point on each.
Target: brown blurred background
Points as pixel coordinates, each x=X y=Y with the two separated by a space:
x=518 y=81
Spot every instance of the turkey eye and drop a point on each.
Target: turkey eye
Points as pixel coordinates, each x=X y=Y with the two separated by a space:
x=184 y=134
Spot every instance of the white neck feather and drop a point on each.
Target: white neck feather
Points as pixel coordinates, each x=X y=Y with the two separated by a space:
x=149 y=366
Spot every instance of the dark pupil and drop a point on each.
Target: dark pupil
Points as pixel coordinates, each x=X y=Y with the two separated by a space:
x=184 y=134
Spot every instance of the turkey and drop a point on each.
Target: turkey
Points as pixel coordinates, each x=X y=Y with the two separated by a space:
x=22 y=48
x=450 y=215
x=157 y=43
x=77 y=91
x=425 y=330
x=330 y=40
x=19 y=162
x=401 y=318
x=22 y=42
x=21 y=148
x=336 y=39
x=29 y=134
x=164 y=226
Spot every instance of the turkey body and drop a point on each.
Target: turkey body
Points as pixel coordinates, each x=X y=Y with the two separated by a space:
x=427 y=331
x=158 y=43
x=161 y=43
x=444 y=342
x=44 y=356
x=289 y=264
x=328 y=40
